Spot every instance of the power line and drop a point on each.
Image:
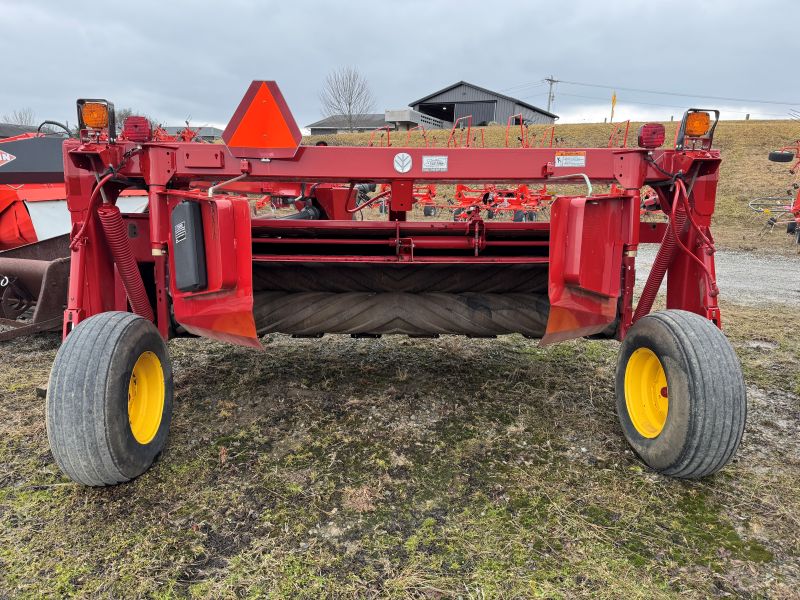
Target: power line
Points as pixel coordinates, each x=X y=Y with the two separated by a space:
x=533 y=95
x=531 y=84
x=627 y=89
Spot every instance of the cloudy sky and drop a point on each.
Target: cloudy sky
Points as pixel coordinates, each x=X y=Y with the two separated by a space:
x=175 y=59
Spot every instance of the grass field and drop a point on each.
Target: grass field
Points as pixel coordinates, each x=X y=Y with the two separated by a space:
x=398 y=467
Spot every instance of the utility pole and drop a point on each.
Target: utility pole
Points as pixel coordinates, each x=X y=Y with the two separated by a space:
x=550 y=94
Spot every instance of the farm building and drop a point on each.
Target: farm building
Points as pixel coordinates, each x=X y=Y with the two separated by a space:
x=485 y=106
x=339 y=124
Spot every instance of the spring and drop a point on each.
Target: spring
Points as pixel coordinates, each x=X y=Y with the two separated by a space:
x=117 y=236
x=660 y=266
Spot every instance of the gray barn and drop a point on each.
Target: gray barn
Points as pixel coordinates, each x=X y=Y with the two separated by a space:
x=485 y=106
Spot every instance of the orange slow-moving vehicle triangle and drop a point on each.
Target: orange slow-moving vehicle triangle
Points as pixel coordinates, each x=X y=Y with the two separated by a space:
x=262 y=126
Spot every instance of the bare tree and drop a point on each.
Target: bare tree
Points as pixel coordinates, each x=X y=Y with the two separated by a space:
x=120 y=114
x=23 y=116
x=347 y=94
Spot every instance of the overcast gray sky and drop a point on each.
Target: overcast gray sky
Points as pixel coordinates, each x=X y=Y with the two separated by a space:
x=172 y=59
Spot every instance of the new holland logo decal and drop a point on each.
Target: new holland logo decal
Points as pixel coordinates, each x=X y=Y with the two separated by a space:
x=402 y=162
x=6 y=158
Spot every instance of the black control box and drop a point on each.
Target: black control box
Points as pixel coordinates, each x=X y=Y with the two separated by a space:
x=189 y=253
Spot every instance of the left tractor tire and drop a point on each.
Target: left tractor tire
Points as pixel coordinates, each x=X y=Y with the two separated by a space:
x=681 y=398
x=109 y=399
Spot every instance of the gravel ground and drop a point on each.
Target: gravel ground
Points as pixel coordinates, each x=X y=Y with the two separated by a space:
x=744 y=278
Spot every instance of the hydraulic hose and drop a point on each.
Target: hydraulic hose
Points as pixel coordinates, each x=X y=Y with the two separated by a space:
x=77 y=239
x=57 y=124
x=117 y=237
x=662 y=261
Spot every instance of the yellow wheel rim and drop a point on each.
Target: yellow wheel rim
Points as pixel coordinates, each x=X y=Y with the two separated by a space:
x=146 y=397
x=646 y=392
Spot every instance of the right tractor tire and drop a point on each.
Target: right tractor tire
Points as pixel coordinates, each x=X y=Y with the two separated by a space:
x=681 y=397
x=109 y=399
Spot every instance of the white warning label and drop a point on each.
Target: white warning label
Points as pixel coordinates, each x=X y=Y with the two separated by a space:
x=434 y=163
x=575 y=158
x=180 y=232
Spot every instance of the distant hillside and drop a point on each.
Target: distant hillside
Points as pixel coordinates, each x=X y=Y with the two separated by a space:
x=745 y=171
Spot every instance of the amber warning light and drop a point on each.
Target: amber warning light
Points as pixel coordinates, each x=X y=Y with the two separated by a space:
x=696 y=131
x=93 y=114
x=697 y=124
x=96 y=116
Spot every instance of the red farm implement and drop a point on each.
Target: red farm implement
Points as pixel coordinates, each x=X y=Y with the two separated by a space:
x=199 y=263
x=34 y=232
x=518 y=201
x=34 y=228
x=783 y=211
x=526 y=138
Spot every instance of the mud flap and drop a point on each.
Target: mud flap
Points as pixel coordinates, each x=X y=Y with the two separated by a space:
x=584 y=282
x=223 y=310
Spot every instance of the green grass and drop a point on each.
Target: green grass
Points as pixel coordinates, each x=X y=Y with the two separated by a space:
x=396 y=468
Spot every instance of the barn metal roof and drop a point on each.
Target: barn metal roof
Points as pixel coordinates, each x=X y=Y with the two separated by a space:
x=482 y=89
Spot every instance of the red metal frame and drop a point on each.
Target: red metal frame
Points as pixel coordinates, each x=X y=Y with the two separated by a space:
x=387 y=129
x=619 y=135
x=458 y=143
x=422 y=131
x=523 y=132
x=588 y=247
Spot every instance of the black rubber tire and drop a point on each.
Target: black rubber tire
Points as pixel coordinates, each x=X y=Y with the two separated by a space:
x=519 y=216
x=781 y=157
x=707 y=395
x=791 y=228
x=530 y=216
x=87 y=400
x=429 y=211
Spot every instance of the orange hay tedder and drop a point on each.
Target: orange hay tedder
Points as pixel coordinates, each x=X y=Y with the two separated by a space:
x=198 y=262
